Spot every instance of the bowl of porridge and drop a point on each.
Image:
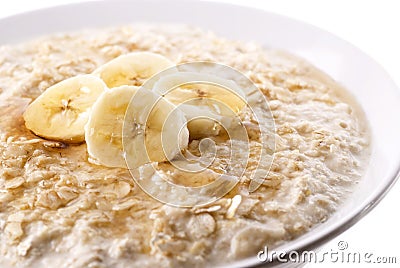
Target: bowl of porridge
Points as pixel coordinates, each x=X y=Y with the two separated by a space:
x=141 y=134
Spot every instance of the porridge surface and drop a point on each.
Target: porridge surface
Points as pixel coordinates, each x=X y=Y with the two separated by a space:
x=58 y=209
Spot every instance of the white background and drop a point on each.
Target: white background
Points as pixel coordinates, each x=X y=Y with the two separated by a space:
x=373 y=26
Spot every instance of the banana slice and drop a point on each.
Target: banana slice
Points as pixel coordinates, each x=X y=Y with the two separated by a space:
x=182 y=86
x=132 y=69
x=152 y=130
x=202 y=121
x=103 y=131
x=61 y=112
x=209 y=102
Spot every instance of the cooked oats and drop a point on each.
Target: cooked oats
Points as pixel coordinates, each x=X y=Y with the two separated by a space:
x=59 y=210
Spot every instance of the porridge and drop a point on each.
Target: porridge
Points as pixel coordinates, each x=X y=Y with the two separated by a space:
x=60 y=207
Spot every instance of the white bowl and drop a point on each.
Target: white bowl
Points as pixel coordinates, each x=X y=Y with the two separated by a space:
x=375 y=91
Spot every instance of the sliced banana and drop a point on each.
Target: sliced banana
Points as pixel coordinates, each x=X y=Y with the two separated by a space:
x=103 y=131
x=154 y=129
x=151 y=130
x=61 y=112
x=207 y=101
x=181 y=86
x=202 y=121
x=132 y=69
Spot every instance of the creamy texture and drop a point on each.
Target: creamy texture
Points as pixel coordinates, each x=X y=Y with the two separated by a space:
x=57 y=209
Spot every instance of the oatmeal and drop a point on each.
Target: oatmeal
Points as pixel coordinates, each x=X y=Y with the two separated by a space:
x=58 y=209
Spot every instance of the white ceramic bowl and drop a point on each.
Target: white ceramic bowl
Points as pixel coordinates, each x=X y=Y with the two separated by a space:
x=373 y=88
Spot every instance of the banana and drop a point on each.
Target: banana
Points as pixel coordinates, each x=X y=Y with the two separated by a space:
x=61 y=112
x=132 y=69
x=202 y=122
x=135 y=125
x=103 y=131
x=209 y=102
